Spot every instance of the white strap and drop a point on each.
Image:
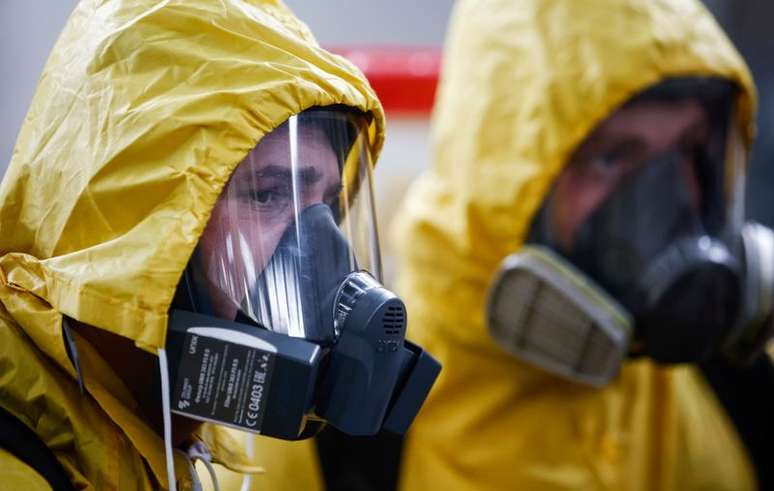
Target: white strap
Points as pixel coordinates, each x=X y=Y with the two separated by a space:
x=167 y=416
x=247 y=481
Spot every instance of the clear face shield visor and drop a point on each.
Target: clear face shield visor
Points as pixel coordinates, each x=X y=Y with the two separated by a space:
x=281 y=323
x=295 y=218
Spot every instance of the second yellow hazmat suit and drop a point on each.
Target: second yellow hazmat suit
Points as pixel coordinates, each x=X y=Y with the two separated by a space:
x=142 y=112
x=523 y=84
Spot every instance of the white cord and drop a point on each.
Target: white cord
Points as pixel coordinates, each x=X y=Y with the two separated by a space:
x=210 y=469
x=198 y=451
x=247 y=481
x=167 y=416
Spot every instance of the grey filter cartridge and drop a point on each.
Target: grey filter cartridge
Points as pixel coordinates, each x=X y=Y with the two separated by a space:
x=544 y=311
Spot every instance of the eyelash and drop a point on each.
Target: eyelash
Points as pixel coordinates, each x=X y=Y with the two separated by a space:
x=275 y=192
x=274 y=198
x=611 y=160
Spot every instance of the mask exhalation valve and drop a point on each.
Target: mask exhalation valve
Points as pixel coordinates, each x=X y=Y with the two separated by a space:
x=367 y=359
x=361 y=286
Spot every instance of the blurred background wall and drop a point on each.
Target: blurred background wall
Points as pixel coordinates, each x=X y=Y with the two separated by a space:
x=28 y=29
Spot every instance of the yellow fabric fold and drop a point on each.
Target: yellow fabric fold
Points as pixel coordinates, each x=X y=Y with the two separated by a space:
x=143 y=110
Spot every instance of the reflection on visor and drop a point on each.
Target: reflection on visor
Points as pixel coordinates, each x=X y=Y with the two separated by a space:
x=295 y=218
x=295 y=292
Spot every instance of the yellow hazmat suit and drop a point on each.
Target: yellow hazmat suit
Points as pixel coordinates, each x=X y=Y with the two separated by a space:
x=142 y=112
x=523 y=84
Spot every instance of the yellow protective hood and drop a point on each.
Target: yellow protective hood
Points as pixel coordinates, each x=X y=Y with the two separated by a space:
x=141 y=114
x=523 y=84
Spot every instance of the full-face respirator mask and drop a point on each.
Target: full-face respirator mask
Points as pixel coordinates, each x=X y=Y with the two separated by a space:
x=280 y=323
x=663 y=267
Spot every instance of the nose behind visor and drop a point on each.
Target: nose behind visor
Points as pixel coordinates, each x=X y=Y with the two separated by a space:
x=294 y=294
x=635 y=223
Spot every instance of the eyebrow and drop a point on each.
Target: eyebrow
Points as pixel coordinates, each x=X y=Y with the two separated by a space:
x=307 y=175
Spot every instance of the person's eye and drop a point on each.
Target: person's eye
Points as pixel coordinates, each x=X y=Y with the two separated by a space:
x=620 y=158
x=270 y=198
x=605 y=166
x=605 y=163
x=265 y=197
